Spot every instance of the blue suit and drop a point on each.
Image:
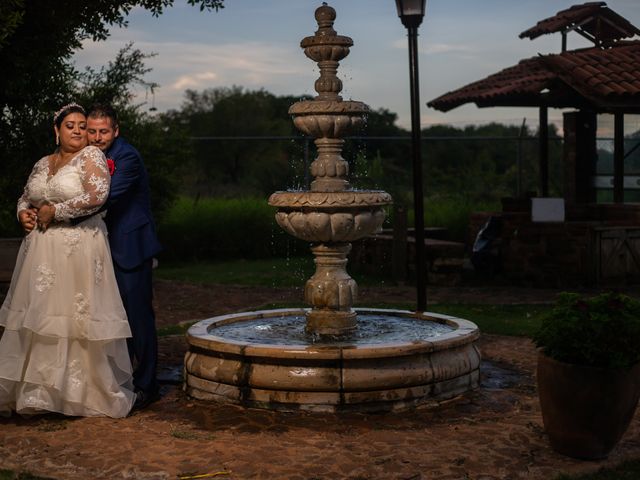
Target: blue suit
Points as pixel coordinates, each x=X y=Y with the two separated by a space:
x=133 y=242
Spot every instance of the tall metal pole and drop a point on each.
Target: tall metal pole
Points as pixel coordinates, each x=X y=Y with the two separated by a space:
x=416 y=150
x=519 y=160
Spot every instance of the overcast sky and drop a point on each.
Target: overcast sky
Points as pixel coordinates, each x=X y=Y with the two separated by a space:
x=255 y=44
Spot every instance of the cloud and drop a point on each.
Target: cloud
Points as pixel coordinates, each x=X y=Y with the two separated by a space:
x=193 y=80
x=427 y=48
x=251 y=59
x=436 y=48
x=281 y=69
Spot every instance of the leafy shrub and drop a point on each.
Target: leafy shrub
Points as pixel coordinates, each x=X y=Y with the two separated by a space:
x=601 y=331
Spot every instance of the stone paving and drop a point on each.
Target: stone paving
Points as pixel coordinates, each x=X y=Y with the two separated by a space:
x=495 y=432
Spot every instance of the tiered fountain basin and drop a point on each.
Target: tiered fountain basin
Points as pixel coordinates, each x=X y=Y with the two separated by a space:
x=396 y=359
x=324 y=217
x=328 y=118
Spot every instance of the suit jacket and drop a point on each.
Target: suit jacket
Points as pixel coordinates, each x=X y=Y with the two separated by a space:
x=132 y=233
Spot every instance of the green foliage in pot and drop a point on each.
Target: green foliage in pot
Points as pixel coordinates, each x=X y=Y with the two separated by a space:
x=600 y=331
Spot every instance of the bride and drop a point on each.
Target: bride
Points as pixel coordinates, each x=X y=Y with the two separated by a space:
x=64 y=343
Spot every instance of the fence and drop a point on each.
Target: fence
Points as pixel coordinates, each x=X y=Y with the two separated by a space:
x=518 y=155
x=522 y=151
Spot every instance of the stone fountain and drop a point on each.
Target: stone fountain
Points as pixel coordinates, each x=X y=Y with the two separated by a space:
x=330 y=357
x=332 y=214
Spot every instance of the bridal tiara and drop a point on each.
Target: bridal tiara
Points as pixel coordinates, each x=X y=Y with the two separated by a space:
x=64 y=108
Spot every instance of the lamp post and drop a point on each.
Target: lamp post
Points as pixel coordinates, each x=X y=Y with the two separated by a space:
x=411 y=13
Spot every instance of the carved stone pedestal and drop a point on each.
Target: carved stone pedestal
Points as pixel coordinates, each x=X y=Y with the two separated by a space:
x=331 y=292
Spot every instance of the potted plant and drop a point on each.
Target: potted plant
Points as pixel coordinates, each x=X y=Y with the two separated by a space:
x=589 y=372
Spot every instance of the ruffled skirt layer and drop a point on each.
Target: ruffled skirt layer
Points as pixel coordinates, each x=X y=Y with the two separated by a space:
x=64 y=343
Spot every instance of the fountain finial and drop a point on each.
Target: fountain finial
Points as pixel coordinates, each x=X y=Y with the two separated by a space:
x=327 y=48
x=325 y=16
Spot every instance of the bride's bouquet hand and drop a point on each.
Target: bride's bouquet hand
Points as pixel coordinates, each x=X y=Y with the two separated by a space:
x=28 y=218
x=46 y=215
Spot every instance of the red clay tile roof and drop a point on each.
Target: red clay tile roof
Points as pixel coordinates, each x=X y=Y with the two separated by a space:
x=594 y=20
x=516 y=86
x=604 y=80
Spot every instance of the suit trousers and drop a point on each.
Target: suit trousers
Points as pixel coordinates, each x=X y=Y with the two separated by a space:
x=136 y=290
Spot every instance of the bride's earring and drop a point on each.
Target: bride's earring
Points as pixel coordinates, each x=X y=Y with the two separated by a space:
x=57 y=139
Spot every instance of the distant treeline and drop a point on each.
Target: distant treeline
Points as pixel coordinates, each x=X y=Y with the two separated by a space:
x=232 y=143
x=244 y=142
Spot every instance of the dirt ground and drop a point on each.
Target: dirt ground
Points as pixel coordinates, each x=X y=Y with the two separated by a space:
x=495 y=432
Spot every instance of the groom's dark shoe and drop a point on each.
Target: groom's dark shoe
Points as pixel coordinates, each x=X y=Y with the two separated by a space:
x=144 y=399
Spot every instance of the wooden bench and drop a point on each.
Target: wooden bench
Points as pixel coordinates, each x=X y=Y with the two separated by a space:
x=444 y=259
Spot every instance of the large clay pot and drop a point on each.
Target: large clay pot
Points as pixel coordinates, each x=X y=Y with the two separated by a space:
x=586 y=410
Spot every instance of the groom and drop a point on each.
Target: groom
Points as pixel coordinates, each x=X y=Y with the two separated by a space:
x=133 y=243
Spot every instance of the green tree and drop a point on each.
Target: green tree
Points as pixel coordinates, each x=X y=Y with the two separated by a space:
x=230 y=166
x=164 y=145
x=37 y=40
x=162 y=141
x=112 y=83
x=380 y=156
x=11 y=13
x=480 y=162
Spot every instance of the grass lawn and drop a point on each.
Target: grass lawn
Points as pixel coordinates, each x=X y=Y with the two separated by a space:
x=519 y=320
x=515 y=320
x=266 y=272
x=274 y=272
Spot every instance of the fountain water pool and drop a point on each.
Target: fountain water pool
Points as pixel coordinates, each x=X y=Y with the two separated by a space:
x=331 y=357
x=368 y=373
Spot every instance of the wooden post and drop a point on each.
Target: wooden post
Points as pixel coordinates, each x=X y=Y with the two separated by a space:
x=544 y=152
x=579 y=157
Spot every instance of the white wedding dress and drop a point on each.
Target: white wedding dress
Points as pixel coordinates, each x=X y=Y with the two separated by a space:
x=64 y=343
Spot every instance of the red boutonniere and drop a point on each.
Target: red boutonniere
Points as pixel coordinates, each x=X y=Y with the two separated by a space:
x=111 y=165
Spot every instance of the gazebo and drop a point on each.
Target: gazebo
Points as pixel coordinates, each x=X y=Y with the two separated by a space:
x=592 y=242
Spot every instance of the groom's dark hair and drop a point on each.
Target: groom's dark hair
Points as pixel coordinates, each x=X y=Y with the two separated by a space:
x=98 y=110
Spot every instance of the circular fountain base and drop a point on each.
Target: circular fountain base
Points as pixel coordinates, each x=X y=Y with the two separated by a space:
x=369 y=373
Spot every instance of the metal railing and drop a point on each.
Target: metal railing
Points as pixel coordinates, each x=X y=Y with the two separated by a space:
x=518 y=141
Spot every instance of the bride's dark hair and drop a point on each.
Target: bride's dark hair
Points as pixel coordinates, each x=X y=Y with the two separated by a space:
x=60 y=115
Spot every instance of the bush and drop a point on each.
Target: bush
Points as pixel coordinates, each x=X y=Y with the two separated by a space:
x=215 y=228
x=601 y=331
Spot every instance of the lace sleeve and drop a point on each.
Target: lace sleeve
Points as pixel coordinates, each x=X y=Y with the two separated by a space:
x=23 y=201
x=95 y=182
